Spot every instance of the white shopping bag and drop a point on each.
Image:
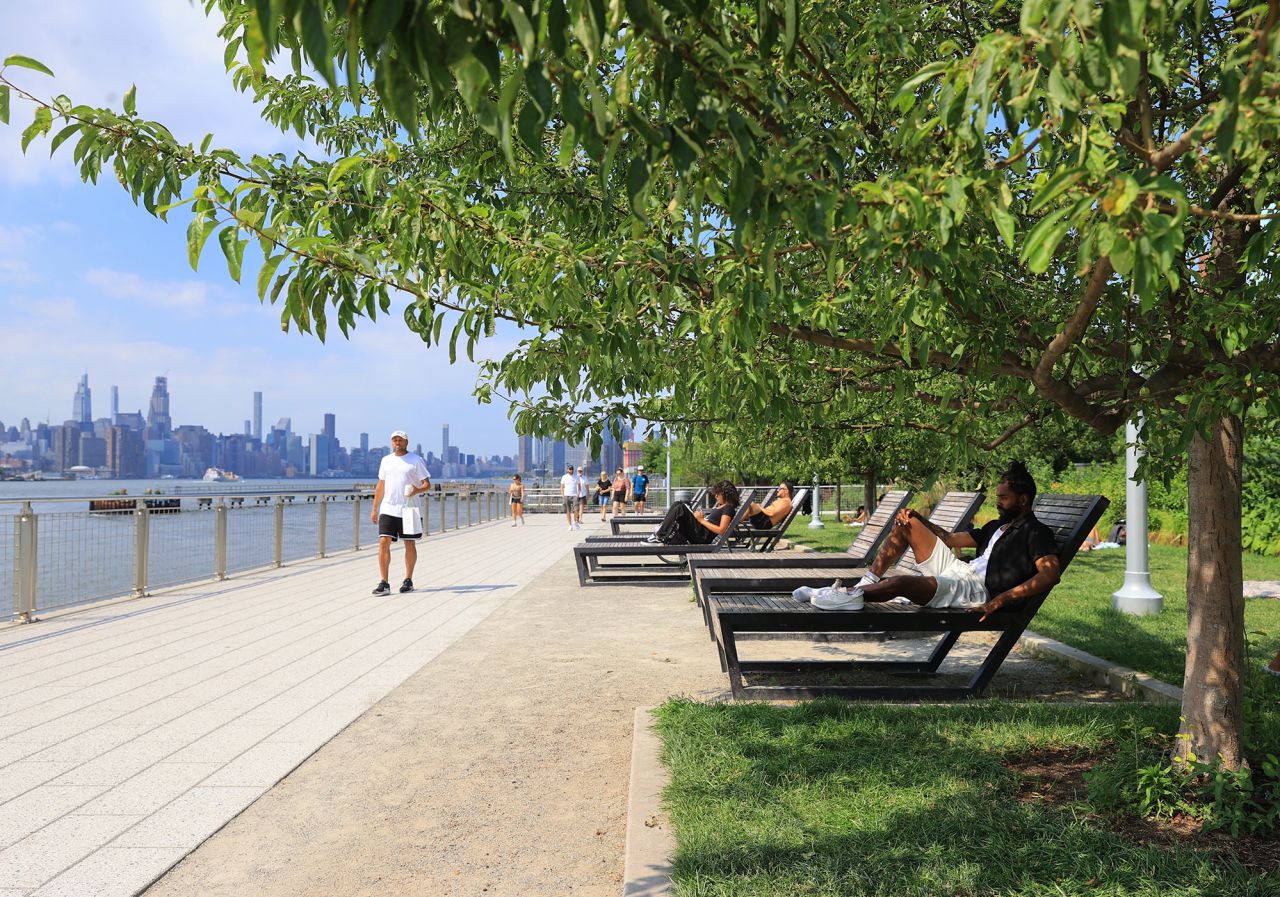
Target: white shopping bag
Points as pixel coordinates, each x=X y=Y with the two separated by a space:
x=412 y=523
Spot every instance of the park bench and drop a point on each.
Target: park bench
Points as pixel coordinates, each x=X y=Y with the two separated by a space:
x=1069 y=516
x=953 y=513
x=637 y=561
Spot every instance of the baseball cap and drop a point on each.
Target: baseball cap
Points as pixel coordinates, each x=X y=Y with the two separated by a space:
x=401 y=433
x=641 y=467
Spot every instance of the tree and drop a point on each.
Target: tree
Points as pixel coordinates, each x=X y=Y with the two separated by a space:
x=699 y=211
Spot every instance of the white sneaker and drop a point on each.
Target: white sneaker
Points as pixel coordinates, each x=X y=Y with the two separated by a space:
x=570 y=527
x=837 y=599
x=804 y=593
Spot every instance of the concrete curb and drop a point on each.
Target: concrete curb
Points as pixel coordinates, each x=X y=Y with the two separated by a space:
x=647 y=864
x=1127 y=682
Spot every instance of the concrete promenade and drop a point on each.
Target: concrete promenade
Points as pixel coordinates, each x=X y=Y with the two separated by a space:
x=131 y=732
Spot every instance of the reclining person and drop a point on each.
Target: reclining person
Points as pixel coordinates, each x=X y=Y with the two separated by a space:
x=682 y=526
x=1017 y=557
x=770 y=515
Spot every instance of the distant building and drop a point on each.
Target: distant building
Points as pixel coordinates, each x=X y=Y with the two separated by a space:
x=125 y=452
x=257 y=416
x=159 y=423
x=82 y=404
x=93 y=450
x=115 y=404
x=66 y=446
x=524 y=454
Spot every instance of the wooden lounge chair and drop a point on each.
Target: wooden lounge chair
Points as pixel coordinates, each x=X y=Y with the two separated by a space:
x=859 y=554
x=953 y=513
x=758 y=540
x=1069 y=516
x=621 y=525
x=646 y=532
x=637 y=561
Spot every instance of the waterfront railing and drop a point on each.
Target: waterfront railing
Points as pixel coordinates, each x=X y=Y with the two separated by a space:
x=57 y=553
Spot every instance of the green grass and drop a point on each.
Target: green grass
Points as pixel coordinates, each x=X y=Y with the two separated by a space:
x=825 y=799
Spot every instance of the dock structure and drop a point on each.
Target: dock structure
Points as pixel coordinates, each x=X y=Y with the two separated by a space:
x=131 y=731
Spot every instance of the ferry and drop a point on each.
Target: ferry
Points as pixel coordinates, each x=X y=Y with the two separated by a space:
x=218 y=475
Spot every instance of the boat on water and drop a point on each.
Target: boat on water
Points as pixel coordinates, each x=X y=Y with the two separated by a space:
x=218 y=475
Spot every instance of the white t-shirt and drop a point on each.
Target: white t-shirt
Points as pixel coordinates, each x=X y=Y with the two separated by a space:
x=582 y=485
x=979 y=564
x=395 y=472
x=569 y=485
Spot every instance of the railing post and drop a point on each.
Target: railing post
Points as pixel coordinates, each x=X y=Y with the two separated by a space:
x=443 y=502
x=323 y=527
x=457 y=510
x=24 y=584
x=355 y=529
x=141 y=546
x=426 y=514
x=469 y=503
x=220 y=539
x=278 y=558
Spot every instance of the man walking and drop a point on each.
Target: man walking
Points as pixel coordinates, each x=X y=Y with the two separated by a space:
x=401 y=475
x=639 y=489
x=569 y=495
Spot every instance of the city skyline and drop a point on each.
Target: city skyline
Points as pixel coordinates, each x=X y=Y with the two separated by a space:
x=109 y=288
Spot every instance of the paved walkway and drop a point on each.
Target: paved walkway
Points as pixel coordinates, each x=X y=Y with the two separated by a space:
x=132 y=732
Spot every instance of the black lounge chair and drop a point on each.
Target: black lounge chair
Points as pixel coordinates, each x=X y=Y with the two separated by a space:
x=620 y=525
x=645 y=533
x=637 y=561
x=953 y=513
x=1069 y=516
x=760 y=540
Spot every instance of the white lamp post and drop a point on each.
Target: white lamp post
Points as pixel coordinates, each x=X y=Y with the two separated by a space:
x=816 y=522
x=1136 y=596
x=669 y=467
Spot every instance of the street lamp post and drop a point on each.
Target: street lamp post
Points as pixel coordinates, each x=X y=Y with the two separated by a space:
x=1136 y=596
x=816 y=522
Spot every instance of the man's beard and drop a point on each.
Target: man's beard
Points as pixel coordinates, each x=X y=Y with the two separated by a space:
x=1007 y=515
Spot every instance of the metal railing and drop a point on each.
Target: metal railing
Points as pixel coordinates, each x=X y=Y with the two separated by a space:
x=52 y=558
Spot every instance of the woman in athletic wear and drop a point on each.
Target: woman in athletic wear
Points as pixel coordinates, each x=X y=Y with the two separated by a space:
x=619 y=493
x=516 y=491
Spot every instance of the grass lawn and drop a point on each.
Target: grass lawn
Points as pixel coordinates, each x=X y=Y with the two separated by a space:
x=826 y=798
x=1079 y=610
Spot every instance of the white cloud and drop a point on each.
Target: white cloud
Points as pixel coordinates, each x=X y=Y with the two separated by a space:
x=187 y=296
x=168 y=48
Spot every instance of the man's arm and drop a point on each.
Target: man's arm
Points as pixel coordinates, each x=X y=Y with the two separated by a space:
x=377 y=500
x=951 y=540
x=1048 y=575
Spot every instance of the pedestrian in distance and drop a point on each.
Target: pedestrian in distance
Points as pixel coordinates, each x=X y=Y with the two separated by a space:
x=639 y=489
x=401 y=475
x=569 y=495
x=582 y=499
x=619 y=493
x=604 y=486
x=516 y=491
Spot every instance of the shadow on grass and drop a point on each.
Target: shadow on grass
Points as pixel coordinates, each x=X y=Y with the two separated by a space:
x=834 y=799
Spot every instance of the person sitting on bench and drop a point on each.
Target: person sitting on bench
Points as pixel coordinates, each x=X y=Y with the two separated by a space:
x=770 y=515
x=1017 y=557
x=682 y=526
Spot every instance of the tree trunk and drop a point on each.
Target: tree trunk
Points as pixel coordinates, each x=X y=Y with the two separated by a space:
x=869 y=492
x=1212 y=689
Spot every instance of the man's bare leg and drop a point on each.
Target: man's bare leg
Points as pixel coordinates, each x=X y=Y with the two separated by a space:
x=384 y=556
x=914 y=535
x=919 y=589
x=410 y=557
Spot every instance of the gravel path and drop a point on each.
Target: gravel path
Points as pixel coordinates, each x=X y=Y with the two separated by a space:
x=500 y=768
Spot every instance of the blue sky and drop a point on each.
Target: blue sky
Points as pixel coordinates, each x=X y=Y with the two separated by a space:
x=89 y=282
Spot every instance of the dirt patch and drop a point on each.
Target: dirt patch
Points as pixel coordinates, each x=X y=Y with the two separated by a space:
x=1056 y=776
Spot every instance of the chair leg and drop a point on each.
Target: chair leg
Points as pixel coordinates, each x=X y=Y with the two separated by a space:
x=729 y=651
x=999 y=651
x=942 y=649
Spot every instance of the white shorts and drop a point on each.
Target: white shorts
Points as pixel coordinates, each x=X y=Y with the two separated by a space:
x=959 y=585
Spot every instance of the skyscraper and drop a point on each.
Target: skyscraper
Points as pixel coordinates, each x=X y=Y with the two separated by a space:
x=364 y=442
x=330 y=426
x=524 y=454
x=444 y=452
x=115 y=404
x=159 y=424
x=257 y=416
x=82 y=405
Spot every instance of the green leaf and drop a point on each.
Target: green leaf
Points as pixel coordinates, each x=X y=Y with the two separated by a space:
x=790 y=26
x=27 y=62
x=197 y=233
x=637 y=184
x=1055 y=187
x=4 y=104
x=1043 y=241
x=377 y=21
x=315 y=38
x=233 y=249
x=131 y=100
x=341 y=167
x=267 y=272
x=62 y=135
x=40 y=123
x=1005 y=225
x=524 y=28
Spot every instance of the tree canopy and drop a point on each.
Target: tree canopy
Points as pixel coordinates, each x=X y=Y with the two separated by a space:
x=790 y=212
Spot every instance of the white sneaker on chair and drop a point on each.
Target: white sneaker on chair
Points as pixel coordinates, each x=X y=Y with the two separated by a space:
x=837 y=599
x=804 y=593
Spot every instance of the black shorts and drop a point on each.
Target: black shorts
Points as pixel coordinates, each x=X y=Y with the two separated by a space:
x=620 y=497
x=760 y=520
x=638 y=497
x=393 y=528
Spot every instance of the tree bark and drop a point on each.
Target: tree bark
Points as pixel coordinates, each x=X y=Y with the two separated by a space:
x=1212 y=694
x=869 y=491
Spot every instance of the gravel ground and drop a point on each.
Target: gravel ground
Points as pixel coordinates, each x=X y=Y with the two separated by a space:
x=500 y=768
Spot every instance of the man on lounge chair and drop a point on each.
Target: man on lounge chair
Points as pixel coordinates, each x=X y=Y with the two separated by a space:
x=770 y=515
x=1017 y=557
